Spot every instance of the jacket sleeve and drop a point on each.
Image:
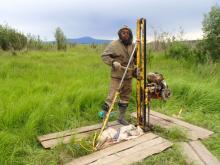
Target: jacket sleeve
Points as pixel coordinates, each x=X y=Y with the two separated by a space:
x=107 y=55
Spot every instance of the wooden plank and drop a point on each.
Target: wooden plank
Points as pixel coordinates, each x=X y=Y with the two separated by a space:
x=192 y=135
x=190 y=155
x=129 y=151
x=73 y=131
x=50 y=143
x=136 y=153
x=113 y=149
x=139 y=156
x=193 y=132
x=154 y=120
x=203 y=153
x=202 y=132
x=196 y=152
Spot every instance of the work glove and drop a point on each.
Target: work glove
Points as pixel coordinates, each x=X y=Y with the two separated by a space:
x=116 y=65
x=136 y=74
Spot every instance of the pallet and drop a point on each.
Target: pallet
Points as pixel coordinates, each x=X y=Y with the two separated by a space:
x=126 y=152
x=193 y=132
x=195 y=152
x=53 y=139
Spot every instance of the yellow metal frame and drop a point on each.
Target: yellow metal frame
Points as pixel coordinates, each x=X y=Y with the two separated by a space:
x=138 y=84
x=141 y=89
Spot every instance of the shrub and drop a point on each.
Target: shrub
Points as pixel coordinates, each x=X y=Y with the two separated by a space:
x=11 y=39
x=60 y=39
x=34 y=42
x=210 y=46
x=200 y=54
x=179 y=50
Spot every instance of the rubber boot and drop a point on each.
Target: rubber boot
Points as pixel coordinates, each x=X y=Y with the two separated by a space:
x=105 y=109
x=122 y=111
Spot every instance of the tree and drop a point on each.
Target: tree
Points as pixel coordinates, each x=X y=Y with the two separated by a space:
x=60 y=39
x=10 y=39
x=211 y=29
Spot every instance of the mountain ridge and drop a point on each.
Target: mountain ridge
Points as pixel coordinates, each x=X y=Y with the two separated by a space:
x=87 y=40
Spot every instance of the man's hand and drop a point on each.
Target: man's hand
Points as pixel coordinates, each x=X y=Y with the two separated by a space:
x=116 y=65
x=136 y=74
x=138 y=41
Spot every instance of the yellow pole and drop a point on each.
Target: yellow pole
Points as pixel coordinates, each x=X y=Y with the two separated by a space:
x=113 y=101
x=138 y=85
x=105 y=120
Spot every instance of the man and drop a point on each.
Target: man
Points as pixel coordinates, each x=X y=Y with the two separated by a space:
x=117 y=55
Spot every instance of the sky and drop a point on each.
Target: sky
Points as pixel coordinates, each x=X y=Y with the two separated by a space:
x=102 y=18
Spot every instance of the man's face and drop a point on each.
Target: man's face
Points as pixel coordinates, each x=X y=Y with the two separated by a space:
x=125 y=34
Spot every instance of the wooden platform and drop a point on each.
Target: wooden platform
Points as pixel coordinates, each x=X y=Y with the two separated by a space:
x=126 y=152
x=193 y=132
x=195 y=152
x=53 y=139
x=140 y=148
x=156 y=118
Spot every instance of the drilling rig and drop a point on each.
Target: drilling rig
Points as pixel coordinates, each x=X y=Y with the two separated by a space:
x=148 y=85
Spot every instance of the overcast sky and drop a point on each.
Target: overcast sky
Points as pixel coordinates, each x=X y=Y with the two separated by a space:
x=103 y=18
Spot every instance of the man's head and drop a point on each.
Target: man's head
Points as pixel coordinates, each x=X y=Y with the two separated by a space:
x=125 y=35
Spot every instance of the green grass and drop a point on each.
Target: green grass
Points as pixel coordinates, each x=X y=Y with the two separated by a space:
x=49 y=91
x=172 y=134
x=196 y=91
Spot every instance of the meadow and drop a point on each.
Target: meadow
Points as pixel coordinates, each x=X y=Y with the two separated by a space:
x=49 y=91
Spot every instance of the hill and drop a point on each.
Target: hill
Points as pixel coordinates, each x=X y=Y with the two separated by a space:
x=88 y=40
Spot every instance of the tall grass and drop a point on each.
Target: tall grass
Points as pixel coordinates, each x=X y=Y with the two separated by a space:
x=44 y=92
x=49 y=91
x=196 y=91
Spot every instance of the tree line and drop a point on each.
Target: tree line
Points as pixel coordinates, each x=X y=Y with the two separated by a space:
x=205 y=50
x=13 y=40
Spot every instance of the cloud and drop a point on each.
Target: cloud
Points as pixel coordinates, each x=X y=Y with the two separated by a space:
x=100 y=18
